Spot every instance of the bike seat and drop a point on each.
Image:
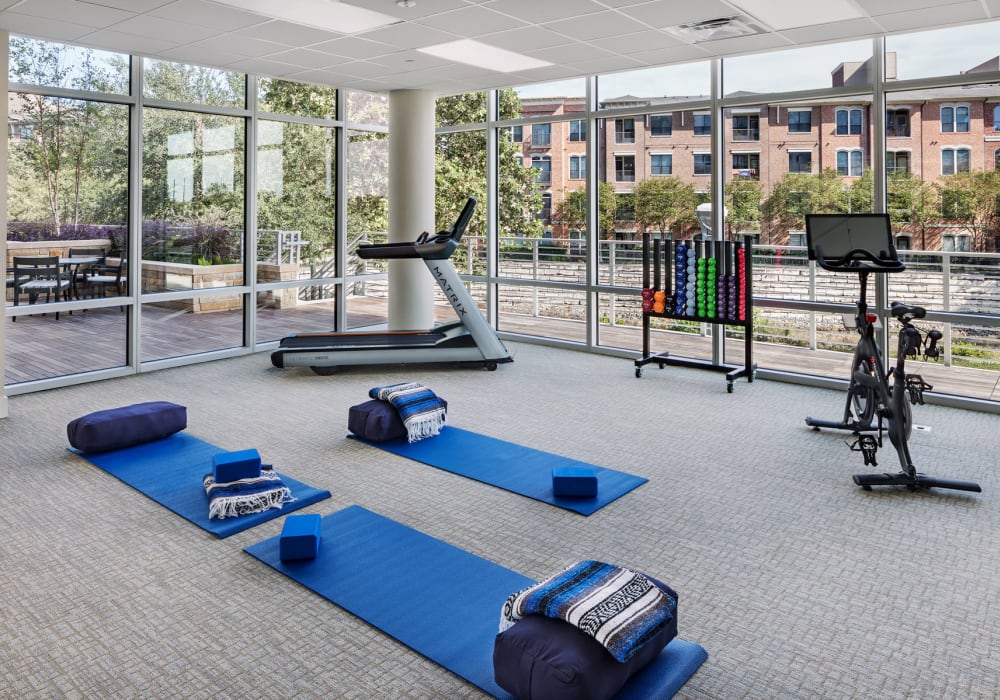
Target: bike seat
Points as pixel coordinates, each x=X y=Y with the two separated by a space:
x=906 y=312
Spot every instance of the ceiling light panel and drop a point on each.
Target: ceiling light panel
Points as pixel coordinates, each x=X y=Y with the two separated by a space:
x=476 y=53
x=329 y=15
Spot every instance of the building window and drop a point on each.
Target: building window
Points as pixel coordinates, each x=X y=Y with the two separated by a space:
x=746 y=127
x=799 y=121
x=546 y=212
x=578 y=130
x=541 y=134
x=897 y=122
x=848 y=121
x=904 y=243
x=661 y=124
x=996 y=118
x=661 y=164
x=702 y=124
x=577 y=167
x=702 y=163
x=625 y=130
x=850 y=163
x=800 y=161
x=955 y=242
x=954 y=118
x=897 y=161
x=515 y=134
x=625 y=168
x=955 y=160
x=746 y=164
x=797 y=238
x=996 y=159
x=543 y=168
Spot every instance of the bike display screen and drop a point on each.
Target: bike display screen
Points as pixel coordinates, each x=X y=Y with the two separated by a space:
x=838 y=234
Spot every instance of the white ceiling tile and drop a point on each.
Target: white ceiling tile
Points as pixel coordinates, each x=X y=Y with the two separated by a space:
x=672 y=54
x=833 y=30
x=569 y=53
x=633 y=43
x=241 y=45
x=130 y=43
x=307 y=58
x=410 y=60
x=263 y=66
x=208 y=14
x=201 y=55
x=525 y=39
x=72 y=11
x=539 y=11
x=473 y=20
x=158 y=28
x=670 y=13
x=51 y=29
x=595 y=25
x=409 y=36
x=288 y=33
x=604 y=65
x=354 y=47
x=363 y=69
x=745 y=44
x=423 y=8
x=932 y=17
x=131 y=5
x=885 y=7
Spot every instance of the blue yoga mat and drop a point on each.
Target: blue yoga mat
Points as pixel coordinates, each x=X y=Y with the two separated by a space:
x=509 y=466
x=170 y=471
x=435 y=598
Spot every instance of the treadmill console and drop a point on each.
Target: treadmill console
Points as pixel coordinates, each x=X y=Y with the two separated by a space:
x=427 y=247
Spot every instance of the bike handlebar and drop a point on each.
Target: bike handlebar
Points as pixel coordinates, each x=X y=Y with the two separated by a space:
x=858 y=260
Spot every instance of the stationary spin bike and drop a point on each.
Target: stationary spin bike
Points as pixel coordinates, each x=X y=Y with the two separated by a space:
x=846 y=243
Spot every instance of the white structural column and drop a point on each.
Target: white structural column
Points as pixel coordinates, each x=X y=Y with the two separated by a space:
x=411 y=205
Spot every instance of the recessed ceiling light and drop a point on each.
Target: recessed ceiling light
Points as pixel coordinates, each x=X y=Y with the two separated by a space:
x=331 y=15
x=406 y=3
x=476 y=53
x=788 y=15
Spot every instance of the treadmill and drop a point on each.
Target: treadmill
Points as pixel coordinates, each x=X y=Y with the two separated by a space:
x=467 y=341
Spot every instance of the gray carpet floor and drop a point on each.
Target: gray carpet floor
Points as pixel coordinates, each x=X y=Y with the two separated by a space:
x=798 y=583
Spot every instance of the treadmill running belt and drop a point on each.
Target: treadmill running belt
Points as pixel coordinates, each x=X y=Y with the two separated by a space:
x=359 y=340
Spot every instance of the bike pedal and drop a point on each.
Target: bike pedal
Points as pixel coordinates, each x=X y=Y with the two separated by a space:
x=867 y=445
x=916 y=386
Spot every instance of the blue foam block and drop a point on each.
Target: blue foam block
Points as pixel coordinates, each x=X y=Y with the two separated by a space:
x=232 y=466
x=300 y=537
x=575 y=482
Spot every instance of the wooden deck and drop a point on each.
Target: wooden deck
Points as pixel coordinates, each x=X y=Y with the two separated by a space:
x=41 y=347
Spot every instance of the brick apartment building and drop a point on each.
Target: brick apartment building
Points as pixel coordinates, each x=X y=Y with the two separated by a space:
x=929 y=133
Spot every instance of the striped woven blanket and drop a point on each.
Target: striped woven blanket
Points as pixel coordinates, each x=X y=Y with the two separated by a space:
x=234 y=498
x=422 y=412
x=621 y=609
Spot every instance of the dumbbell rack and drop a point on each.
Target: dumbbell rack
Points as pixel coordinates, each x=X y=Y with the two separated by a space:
x=698 y=280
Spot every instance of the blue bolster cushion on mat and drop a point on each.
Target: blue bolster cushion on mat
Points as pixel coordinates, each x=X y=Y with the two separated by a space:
x=117 y=428
x=377 y=421
x=541 y=658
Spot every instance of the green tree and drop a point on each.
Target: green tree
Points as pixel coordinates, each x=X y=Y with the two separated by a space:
x=664 y=203
x=743 y=205
x=461 y=167
x=798 y=194
x=972 y=199
x=70 y=157
x=912 y=204
x=571 y=212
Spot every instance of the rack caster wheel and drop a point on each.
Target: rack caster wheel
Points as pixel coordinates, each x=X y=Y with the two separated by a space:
x=638 y=373
x=729 y=387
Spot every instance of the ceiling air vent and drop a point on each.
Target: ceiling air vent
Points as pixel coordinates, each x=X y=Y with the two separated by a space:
x=718 y=28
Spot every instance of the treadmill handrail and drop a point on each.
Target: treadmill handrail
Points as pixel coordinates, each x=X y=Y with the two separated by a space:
x=427 y=247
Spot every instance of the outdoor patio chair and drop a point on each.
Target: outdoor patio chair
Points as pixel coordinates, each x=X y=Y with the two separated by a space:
x=37 y=275
x=93 y=258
